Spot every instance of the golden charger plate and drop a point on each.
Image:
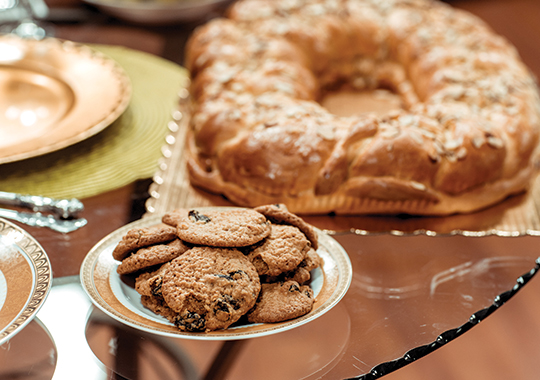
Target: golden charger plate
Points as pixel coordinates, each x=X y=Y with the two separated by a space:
x=55 y=93
x=118 y=298
x=25 y=279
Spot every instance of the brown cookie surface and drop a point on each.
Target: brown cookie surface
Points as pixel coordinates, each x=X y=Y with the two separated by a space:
x=223 y=228
x=158 y=306
x=300 y=274
x=149 y=283
x=312 y=260
x=279 y=214
x=143 y=237
x=152 y=255
x=210 y=288
x=282 y=251
x=172 y=218
x=281 y=301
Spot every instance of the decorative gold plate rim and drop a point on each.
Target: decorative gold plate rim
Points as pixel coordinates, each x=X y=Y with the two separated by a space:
x=155 y=12
x=102 y=92
x=25 y=245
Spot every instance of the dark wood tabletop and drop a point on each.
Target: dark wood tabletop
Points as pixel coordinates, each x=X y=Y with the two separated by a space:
x=504 y=346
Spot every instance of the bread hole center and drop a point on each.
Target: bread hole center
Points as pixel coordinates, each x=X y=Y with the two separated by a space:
x=354 y=103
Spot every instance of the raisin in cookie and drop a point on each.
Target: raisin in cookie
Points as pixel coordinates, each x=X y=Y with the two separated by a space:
x=150 y=256
x=282 y=251
x=281 y=301
x=279 y=214
x=223 y=228
x=143 y=237
x=149 y=283
x=210 y=288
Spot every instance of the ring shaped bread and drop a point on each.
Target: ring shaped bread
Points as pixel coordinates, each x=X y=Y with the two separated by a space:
x=465 y=138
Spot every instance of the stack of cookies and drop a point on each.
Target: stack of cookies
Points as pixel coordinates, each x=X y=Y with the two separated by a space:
x=206 y=270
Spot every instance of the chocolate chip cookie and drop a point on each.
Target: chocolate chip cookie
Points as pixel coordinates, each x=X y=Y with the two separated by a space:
x=279 y=214
x=282 y=251
x=152 y=255
x=149 y=283
x=210 y=288
x=281 y=301
x=158 y=306
x=223 y=228
x=172 y=218
x=143 y=237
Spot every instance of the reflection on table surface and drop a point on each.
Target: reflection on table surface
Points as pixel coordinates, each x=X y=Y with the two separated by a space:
x=31 y=354
x=399 y=299
x=406 y=290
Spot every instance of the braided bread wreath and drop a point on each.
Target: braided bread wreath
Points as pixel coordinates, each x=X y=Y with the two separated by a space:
x=465 y=138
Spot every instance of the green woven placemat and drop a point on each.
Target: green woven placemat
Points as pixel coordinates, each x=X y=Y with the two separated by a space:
x=128 y=150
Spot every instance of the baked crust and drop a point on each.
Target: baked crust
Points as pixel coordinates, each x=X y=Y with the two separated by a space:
x=466 y=138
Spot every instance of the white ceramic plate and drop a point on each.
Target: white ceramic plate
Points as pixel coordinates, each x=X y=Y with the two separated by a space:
x=158 y=12
x=25 y=279
x=119 y=299
x=55 y=93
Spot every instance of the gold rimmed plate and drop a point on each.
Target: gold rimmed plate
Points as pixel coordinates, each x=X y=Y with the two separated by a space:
x=55 y=93
x=25 y=279
x=156 y=12
x=117 y=297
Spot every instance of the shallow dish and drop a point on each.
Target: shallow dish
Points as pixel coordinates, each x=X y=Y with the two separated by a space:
x=156 y=12
x=25 y=279
x=116 y=297
x=55 y=93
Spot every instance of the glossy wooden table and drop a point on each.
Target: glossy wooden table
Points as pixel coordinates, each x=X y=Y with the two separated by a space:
x=503 y=346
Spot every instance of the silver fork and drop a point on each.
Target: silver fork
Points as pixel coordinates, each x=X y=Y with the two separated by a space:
x=63 y=211
x=64 y=208
x=40 y=220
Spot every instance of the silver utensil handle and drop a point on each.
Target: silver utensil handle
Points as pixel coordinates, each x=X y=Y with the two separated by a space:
x=39 y=220
x=65 y=208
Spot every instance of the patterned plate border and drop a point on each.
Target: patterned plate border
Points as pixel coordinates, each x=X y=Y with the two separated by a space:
x=89 y=114
x=40 y=265
x=99 y=267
